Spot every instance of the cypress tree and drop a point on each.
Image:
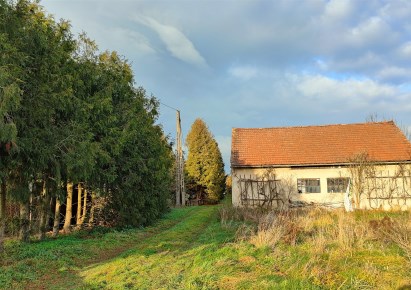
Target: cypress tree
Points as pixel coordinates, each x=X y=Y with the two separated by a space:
x=10 y=97
x=69 y=115
x=204 y=165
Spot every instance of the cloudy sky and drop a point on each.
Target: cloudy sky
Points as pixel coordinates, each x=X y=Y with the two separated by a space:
x=259 y=63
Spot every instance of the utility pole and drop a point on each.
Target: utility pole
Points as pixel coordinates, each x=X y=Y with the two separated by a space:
x=180 y=187
x=180 y=191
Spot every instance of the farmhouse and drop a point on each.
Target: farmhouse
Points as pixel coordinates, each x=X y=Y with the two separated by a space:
x=286 y=166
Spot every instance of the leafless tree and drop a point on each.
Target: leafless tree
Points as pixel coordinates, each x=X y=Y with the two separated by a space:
x=378 y=186
x=265 y=190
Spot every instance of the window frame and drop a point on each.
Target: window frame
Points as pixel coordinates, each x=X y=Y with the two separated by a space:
x=301 y=183
x=341 y=186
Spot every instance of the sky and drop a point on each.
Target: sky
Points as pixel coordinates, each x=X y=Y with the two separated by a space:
x=256 y=64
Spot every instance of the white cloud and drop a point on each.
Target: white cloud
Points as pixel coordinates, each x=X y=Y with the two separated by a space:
x=396 y=10
x=243 y=72
x=176 y=42
x=252 y=72
x=338 y=9
x=122 y=38
x=354 y=91
x=405 y=49
x=296 y=94
x=394 y=73
x=370 y=31
x=366 y=61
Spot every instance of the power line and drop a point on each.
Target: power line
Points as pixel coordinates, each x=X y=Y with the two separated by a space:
x=169 y=107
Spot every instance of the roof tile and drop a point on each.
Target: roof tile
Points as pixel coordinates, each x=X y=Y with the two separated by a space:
x=313 y=145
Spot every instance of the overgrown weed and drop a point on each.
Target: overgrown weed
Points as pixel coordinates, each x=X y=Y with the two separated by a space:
x=332 y=247
x=229 y=214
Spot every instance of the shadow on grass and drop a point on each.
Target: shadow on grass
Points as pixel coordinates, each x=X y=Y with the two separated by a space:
x=188 y=249
x=55 y=263
x=196 y=253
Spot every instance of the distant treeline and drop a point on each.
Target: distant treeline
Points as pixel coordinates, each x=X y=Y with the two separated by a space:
x=71 y=120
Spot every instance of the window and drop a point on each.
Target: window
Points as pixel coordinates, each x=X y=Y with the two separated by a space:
x=337 y=184
x=311 y=185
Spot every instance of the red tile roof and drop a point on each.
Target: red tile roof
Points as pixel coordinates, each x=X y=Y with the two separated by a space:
x=318 y=145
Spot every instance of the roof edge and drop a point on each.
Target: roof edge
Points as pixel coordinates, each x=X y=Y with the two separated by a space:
x=318 y=164
x=306 y=126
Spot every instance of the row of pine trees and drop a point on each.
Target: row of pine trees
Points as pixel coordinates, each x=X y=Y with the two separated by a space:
x=74 y=127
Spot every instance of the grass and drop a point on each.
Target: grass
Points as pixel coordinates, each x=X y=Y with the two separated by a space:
x=334 y=249
x=37 y=264
x=218 y=247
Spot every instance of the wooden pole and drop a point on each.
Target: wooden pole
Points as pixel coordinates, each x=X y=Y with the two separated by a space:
x=180 y=191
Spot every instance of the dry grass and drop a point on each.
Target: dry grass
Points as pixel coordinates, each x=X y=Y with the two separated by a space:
x=320 y=226
x=270 y=231
x=400 y=234
x=332 y=248
x=230 y=215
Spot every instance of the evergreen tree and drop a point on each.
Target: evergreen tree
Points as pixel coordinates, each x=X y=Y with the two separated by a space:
x=70 y=116
x=204 y=165
x=43 y=120
x=10 y=96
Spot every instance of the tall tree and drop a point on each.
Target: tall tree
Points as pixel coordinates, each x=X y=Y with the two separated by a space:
x=143 y=163
x=69 y=115
x=10 y=97
x=44 y=120
x=204 y=165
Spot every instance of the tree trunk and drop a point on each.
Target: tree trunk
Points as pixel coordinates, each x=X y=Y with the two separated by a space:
x=48 y=212
x=24 y=221
x=56 y=225
x=84 y=211
x=2 y=213
x=92 y=209
x=42 y=208
x=79 y=196
x=31 y=208
x=69 y=204
x=45 y=217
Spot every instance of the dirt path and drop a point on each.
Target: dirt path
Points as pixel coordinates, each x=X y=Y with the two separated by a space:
x=165 y=236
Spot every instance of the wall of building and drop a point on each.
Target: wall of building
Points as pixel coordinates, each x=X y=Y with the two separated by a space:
x=291 y=175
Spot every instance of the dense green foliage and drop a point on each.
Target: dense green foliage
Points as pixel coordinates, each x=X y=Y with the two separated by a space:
x=69 y=114
x=204 y=165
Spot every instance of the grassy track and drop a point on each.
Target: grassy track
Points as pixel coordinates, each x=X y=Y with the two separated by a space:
x=191 y=249
x=196 y=253
x=188 y=249
x=55 y=263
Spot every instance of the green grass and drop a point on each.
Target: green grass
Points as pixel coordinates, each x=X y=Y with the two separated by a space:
x=191 y=249
x=197 y=253
x=56 y=259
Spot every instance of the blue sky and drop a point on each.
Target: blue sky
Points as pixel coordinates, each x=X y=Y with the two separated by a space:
x=259 y=63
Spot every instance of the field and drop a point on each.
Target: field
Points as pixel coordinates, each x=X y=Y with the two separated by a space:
x=218 y=247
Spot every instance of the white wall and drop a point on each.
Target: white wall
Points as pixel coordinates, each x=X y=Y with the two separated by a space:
x=332 y=199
